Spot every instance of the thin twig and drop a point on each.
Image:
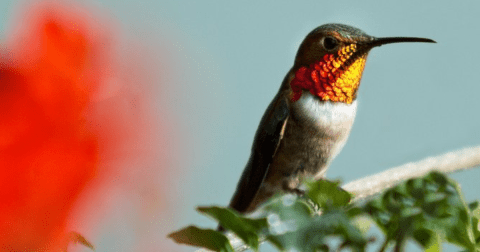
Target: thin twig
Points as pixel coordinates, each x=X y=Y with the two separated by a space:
x=447 y=163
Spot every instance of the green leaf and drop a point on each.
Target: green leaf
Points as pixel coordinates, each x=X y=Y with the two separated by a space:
x=313 y=234
x=288 y=207
x=363 y=223
x=435 y=244
x=458 y=227
x=206 y=238
x=246 y=229
x=428 y=239
x=475 y=210
x=415 y=188
x=434 y=198
x=409 y=212
x=327 y=193
x=474 y=206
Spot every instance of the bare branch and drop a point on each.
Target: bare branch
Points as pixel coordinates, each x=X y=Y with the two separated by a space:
x=447 y=163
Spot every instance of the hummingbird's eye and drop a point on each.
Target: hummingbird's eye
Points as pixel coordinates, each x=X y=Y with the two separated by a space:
x=329 y=43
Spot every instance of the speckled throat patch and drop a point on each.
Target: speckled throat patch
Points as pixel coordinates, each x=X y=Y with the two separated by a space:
x=336 y=77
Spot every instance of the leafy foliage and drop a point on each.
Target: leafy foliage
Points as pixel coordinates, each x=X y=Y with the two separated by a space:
x=428 y=210
x=421 y=208
x=326 y=194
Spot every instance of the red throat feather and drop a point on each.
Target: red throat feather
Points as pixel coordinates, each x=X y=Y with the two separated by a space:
x=331 y=78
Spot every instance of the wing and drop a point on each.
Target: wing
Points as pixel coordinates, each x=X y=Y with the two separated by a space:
x=266 y=142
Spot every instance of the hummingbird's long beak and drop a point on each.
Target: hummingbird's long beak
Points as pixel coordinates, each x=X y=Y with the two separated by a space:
x=382 y=41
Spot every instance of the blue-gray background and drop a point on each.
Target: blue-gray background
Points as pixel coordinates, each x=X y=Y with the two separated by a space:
x=415 y=100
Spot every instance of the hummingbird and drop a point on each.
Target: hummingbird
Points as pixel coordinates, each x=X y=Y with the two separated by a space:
x=309 y=120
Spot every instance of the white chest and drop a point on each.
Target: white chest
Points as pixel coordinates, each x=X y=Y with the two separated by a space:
x=326 y=114
x=331 y=120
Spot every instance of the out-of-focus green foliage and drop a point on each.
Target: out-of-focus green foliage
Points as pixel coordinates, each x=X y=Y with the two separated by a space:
x=429 y=210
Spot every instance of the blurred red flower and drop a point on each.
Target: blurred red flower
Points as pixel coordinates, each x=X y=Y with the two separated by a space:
x=51 y=71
